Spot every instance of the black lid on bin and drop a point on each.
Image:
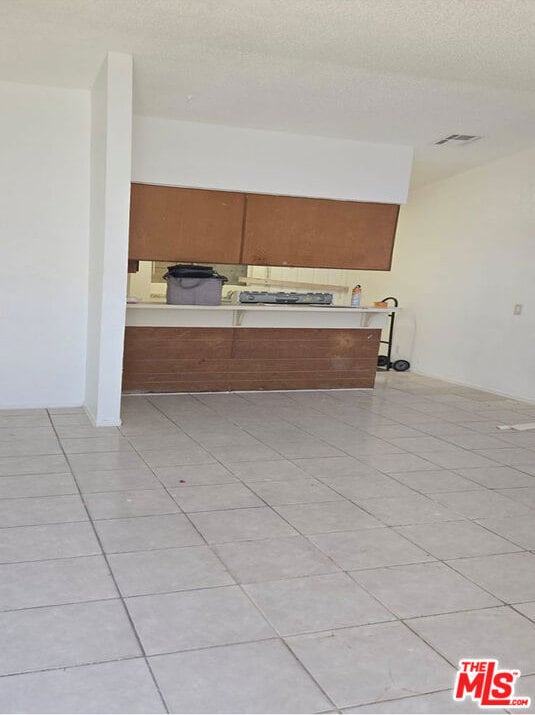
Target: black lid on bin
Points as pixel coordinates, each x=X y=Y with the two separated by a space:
x=181 y=270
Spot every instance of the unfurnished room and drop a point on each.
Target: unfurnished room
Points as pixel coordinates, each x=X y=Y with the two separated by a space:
x=267 y=358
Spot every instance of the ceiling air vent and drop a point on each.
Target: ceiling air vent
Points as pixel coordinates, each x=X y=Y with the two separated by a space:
x=458 y=139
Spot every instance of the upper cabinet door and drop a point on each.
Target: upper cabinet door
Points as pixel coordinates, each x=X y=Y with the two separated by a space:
x=322 y=233
x=175 y=224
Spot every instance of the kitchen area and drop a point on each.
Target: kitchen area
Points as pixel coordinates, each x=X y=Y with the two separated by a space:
x=284 y=314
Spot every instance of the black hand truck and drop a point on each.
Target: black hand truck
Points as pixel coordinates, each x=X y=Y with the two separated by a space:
x=384 y=362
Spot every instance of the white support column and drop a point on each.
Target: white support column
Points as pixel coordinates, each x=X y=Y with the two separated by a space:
x=111 y=154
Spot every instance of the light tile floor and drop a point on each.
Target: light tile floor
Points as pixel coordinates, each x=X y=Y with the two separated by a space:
x=266 y=552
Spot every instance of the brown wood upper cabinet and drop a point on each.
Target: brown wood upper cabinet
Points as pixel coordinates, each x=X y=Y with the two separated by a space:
x=322 y=233
x=170 y=223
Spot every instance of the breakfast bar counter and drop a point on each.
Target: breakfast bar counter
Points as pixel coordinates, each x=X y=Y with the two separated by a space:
x=254 y=316
x=187 y=348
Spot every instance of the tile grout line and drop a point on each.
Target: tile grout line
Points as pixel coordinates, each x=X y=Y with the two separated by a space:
x=433 y=558
x=394 y=700
x=112 y=576
x=58 y=668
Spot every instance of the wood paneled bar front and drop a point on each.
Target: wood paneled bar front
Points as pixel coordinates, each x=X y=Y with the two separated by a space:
x=226 y=348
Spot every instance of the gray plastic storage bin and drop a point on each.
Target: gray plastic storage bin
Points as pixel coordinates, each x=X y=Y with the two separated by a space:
x=193 y=291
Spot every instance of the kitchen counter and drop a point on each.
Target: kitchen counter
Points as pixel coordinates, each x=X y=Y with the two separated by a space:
x=189 y=348
x=254 y=316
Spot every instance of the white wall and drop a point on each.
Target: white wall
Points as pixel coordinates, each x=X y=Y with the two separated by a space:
x=44 y=205
x=111 y=146
x=212 y=156
x=464 y=256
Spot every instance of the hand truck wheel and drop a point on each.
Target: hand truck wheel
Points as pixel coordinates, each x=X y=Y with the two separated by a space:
x=401 y=365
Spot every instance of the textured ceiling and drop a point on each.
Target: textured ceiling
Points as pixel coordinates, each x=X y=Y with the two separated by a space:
x=395 y=71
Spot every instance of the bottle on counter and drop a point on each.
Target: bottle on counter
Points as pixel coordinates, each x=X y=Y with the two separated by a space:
x=355 y=296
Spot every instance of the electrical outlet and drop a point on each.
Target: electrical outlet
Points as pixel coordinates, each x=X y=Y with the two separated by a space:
x=517 y=309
